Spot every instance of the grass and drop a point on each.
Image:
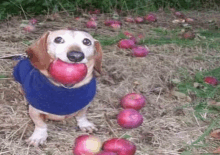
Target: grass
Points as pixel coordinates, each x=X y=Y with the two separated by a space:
x=204 y=90
x=202 y=110
x=106 y=40
x=163 y=37
x=2 y=76
x=196 y=143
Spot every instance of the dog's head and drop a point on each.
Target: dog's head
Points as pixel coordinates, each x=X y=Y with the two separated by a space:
x=68 y=45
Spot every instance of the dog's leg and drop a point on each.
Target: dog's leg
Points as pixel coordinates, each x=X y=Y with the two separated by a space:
x=40 y=132
x=83 y=122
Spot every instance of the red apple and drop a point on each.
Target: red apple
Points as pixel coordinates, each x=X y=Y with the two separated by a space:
x=139 y=19
x=133 y=101
x=126 y=43
x=115 y=26
x=87 y=145
x=119 y=146
x=109 y=22
x=67 y=73
x=106 y=153
x=150 y=18
x=140 y=51
x=91 y=24
x=129 y=118
x=211 y=80
x=129 y=19
x=179 y=14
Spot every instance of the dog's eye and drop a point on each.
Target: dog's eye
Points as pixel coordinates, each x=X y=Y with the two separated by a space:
x=87 y=42
x=58 y=40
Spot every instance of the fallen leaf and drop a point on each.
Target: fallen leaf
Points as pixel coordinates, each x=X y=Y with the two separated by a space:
x=196 y=84
x=211 y=102
x=176 y=21
x=136 y=82
x=181 y=95
x=23 y=25
x=176 y=81
x=215 y=134
x=189 y=20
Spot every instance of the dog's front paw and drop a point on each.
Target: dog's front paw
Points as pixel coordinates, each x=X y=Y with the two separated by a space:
x=38 y=137
x=85 y=125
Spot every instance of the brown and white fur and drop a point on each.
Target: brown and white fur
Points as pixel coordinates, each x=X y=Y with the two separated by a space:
x=42 y=53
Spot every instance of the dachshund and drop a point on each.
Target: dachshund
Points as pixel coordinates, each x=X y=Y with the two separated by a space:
x=48 y=98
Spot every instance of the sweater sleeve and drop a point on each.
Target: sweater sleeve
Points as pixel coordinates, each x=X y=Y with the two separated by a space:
x=21 y=70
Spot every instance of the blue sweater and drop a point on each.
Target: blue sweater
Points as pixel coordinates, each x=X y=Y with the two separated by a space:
x=45 y=96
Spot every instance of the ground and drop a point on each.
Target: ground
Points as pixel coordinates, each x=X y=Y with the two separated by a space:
x=170 y=125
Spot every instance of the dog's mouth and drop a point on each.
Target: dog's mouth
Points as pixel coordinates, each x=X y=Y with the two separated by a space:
x=67 y=73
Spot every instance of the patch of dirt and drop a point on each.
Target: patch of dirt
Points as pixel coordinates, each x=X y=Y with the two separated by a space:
x=166 y=129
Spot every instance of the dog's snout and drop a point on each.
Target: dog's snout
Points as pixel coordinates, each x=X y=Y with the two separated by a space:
x=75 y=56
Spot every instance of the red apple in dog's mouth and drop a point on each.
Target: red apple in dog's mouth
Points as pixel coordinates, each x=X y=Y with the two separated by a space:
x=67 y=73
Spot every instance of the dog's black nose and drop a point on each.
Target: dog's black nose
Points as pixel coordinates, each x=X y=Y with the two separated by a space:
x=75 y=56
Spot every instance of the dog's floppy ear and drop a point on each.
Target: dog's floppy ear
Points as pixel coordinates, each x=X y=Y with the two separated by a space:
x=37 y=53
x=98 y=57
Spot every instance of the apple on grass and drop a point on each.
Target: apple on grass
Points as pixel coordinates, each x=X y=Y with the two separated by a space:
x=87 y=145
x=179 y=15
x=129 y=118
x=129 y=19
x=150 y=18
x=139 y=19
x=91 y=24
x=211 y=80
x=109 y=22
x=115 y=26
x=120 y=146
x=67 y=73
x=140 y=51
x=126 y=43
x=133 y=101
